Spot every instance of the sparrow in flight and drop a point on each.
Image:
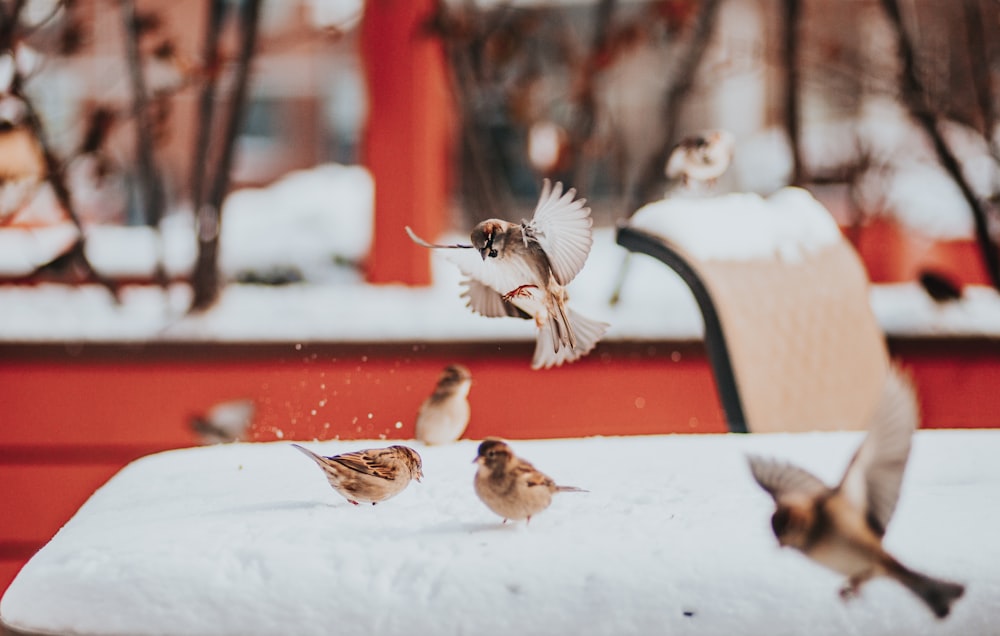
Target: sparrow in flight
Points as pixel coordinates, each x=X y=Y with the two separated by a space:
x=510 y=486
x=369 y=476
x=443 y=416
x=699 y=160
x=842 y=527
x=523 y=271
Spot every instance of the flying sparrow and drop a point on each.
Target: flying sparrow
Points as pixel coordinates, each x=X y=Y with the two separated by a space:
x=699 y=160
x=842 y=528
x=444 y=415
x=510 y=486
x=524 y=270
x=372 y=475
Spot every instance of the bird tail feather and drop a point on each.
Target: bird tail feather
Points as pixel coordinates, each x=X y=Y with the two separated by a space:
x=937 y=594
x=549 y=352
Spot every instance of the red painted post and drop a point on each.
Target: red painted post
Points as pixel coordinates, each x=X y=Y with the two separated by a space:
x=407 y=140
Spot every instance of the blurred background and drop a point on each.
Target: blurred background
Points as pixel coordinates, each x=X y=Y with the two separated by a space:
x=202 y=203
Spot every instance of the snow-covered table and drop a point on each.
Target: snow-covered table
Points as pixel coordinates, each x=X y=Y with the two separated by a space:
x=673 y=538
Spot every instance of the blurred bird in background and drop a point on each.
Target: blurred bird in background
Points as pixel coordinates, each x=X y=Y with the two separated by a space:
x=697 y=161
x=224 y=422
x=444 y=415
x=842 y=528
x=510 y=486
x=523 y=271
x=369 y=476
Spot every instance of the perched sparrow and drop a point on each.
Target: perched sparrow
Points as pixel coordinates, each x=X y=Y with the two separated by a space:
x=842 y=528
x=224 y=422
x=444 y=415
x=524 y=270
x=697 y=161
x=372 y=475
x=510 y=486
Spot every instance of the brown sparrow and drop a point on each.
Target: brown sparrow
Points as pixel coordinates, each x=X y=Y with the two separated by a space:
x=524 y=270
x=842 y=528
x=444 y=415
x=699 y=160
x=510 y=486
x=372 y=475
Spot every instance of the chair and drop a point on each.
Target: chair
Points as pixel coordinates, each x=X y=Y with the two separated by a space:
x=791 y=337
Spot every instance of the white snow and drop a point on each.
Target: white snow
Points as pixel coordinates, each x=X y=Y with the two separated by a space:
x=742 y=226
x=673 y=538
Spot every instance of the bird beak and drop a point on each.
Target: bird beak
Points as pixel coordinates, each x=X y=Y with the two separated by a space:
x=483 y=252
x=475 y=460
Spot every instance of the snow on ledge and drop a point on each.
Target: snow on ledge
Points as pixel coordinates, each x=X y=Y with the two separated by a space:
x=249 y=539
x=742 y=226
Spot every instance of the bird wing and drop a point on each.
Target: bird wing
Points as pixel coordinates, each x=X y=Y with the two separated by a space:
x=486 y=301
x=783 y=480
x=875 y=475
x=531 y=476
x=562 y=226
x=502 y=275
x=380 y=463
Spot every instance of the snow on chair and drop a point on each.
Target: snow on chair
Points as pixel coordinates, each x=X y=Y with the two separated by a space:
x=789 y=331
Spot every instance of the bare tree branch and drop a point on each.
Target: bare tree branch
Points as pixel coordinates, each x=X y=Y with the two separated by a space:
x=915 y=97
x=206 y=274
x=149 y=181
x=792 y=16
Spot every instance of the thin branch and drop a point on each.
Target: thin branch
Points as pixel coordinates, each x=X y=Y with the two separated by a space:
x=792 y=17
x=979 y=63
x=150 y=184
x=915 y=97
x=206 y=102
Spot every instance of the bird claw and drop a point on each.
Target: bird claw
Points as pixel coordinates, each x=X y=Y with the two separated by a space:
x=848 y=591
x=519 y=292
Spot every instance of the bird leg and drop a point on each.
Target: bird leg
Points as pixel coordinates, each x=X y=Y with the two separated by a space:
x=518 y=292
x=852 y=586
x=353 y=502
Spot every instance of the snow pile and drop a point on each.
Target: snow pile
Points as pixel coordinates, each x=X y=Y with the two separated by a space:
x=249 y=539
x=309 y=221
x=742 y=226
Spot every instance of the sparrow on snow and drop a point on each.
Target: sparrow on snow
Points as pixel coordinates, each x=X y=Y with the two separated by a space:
x=699 y=160
x=372 y=475
x=524 y=270
x=443 y=416
x=510 y=486
x=842 y=527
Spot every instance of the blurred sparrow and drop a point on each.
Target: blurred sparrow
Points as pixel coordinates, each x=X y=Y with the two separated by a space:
x=699 y=160
x=372 y=475
x=510 y=486
x=224 y=422
x=524 y=269
x=444 y=415
x=842 y=528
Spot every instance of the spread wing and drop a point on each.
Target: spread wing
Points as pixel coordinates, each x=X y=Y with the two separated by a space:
x=503 y=275
x=561 y=225
x=785 y=481
x=875 y=474
x=380 y=463
x=486 y=301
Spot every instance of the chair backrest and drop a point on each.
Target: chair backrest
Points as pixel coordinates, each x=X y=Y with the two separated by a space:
x=790 y=333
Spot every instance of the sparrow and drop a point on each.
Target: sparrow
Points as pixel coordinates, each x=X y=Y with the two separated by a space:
x=371 y=475
x=524 y=270
x=842 y=527
x=224 y=422
x=700 y=159
x=510 y=486
x=443 y=416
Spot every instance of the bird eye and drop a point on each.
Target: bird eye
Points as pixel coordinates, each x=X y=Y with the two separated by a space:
x=491 y=454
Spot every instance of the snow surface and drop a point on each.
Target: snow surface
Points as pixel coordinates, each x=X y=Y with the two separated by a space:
x=673 y=538
x=742 y=226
